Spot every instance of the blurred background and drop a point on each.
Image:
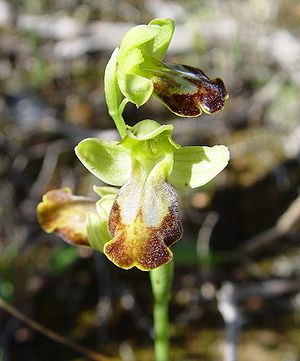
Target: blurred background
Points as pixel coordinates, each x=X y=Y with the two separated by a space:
x=237 y=275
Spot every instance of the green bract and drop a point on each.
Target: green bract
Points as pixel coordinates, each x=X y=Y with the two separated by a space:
x=136 y=70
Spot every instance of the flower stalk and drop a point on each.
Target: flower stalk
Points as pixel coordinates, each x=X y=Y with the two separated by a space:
x=161 y=281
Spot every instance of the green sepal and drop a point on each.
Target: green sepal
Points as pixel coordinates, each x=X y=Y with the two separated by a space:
x=108 y=161
x=136 y=37
x=195 y=166
x=112 y=91
x=153 y=39
x=113 y=94
x=159 y=45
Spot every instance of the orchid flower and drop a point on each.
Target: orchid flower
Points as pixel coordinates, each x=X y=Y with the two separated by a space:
x=136 y=71
x=136 y=225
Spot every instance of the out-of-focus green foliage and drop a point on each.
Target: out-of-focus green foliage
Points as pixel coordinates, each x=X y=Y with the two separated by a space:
x=62 y=258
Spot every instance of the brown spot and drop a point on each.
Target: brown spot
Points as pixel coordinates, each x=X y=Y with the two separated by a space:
x=171 y=228
x=155 y=253
x=117 y=250
x=114 y=218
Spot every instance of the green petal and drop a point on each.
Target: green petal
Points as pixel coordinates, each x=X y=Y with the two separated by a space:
x=133 y=58
x=108 y=161
x=104 y=205
x=195 y=166
x=105 y=190
x=62 y=213
x=159 y=45
x=148 y=129
x=149 y=142
x=135 y=88
x=135 y=37
x=153 y=38
x=97 y=231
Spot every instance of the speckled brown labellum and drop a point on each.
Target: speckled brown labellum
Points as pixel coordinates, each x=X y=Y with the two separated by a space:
x=188 y=92
x=143 y=228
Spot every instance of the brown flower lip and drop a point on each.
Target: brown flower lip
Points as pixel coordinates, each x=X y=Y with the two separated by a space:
x=188 y=92
x=140 y=244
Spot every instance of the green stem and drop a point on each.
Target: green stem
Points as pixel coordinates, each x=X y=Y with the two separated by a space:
x=161 y=282
x=161 y=322
x=119 y=122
